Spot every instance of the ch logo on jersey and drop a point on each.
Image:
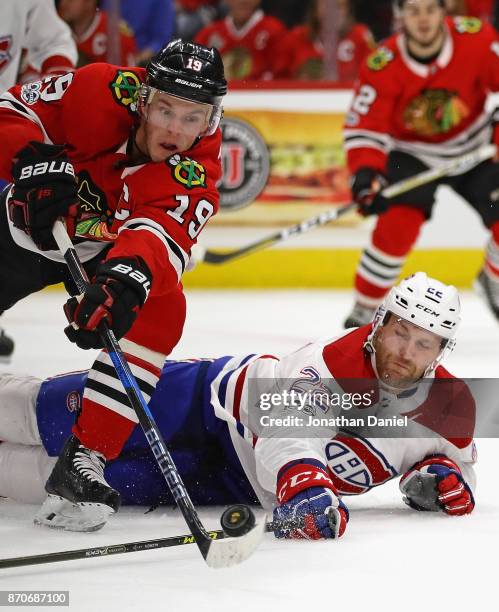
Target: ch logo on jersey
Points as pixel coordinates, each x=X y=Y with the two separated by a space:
x=468 y=25
x=187 y=172
x=125 y=88
x=73 y=401
x=356 y=465
x=5 y=47
x=380 y=58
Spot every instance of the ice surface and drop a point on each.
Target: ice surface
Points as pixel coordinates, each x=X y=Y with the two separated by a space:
x=391 y=557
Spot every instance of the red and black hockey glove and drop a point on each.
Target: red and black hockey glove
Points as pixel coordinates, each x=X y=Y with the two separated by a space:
x=366 y=185
x=305 y=492
x=45 y=189
x=117 y=293
x=436 y=484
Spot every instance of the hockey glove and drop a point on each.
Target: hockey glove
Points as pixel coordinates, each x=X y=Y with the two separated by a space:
x=45 y=189
x=119 y=290
x=305 y=492
x=366 y=185
x=436 y=484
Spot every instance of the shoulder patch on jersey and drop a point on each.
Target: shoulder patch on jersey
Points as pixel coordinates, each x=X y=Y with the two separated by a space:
x=125 y=88
x=380 y=58
x=187 y=171
x=468 y=25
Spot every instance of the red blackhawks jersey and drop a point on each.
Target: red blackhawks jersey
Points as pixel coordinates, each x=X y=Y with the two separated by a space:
x=154 y=210
x=342 y=394
x=301 y=57
x=433 y=111
x=93 y=44
x=249 y=52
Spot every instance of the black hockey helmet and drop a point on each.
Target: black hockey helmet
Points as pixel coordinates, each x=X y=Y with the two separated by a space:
x=188 y=70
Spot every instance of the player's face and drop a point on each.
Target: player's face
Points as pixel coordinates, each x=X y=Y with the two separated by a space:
x=171 y=125
x=404 y=351
x=423 y=20
x=73 y=10
x=241 y=10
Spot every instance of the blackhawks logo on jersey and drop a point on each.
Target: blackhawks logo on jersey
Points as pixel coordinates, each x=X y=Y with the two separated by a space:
x=435 y=111
x=187 y=172
x=125 y=89
x=380 y=58
x=94 y=216
x=468 y=25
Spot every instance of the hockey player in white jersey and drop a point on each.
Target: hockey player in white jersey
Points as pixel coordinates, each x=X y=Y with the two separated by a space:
x=211 y=413
x=35 y=26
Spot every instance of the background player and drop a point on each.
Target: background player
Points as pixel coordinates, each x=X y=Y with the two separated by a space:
x=421 y=101
x=204 y=411
x=247 y=39
x=145 y=149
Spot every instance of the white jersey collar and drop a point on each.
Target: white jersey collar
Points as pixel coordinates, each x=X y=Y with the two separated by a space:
x=423 y=70
x=251 y=23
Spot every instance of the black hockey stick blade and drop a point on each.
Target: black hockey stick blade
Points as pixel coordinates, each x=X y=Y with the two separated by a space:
x=215 y=257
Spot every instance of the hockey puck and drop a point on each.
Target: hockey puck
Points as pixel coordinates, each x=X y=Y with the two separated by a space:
x=237 y=520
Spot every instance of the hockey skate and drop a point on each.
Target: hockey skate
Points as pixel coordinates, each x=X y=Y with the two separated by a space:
x=6 y=346
x=489 y=289
x=79 y=498
x=360 y=315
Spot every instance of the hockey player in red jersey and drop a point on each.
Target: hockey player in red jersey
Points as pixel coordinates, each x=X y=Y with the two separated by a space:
x=246 y=39
x=90 y=31
x=130 y=157
x=302 y=50
x=209 y=416
x=420 y=102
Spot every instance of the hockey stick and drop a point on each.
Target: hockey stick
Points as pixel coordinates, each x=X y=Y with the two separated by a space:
x=128 y=547
x=458 y=165
x=216 y=553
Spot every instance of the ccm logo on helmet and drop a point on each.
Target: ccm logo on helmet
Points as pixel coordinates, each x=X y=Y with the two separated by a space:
x=46 y=167
x=427 y=310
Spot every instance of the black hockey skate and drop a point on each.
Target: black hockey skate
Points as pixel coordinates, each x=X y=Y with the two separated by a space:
x=6 y=346
x=360 y=315
x=489 y=289
x=79 y=498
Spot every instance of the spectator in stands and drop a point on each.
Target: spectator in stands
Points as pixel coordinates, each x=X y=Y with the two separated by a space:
x=193 y=15
x=93 y=33
x=152 y=22
x=247 y=39
x=301 y=55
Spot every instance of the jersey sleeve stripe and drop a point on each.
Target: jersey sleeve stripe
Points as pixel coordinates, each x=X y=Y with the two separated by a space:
x=176 y=255
x=8 y=101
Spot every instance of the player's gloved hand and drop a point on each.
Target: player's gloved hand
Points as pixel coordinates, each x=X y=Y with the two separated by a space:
x=436 y=484
x=366 y=185
x=45 y=189
x=306 y=493
x=118 y=291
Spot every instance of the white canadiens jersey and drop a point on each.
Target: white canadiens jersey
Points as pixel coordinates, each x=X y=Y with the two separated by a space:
x=35 y=26
x=357 y=456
